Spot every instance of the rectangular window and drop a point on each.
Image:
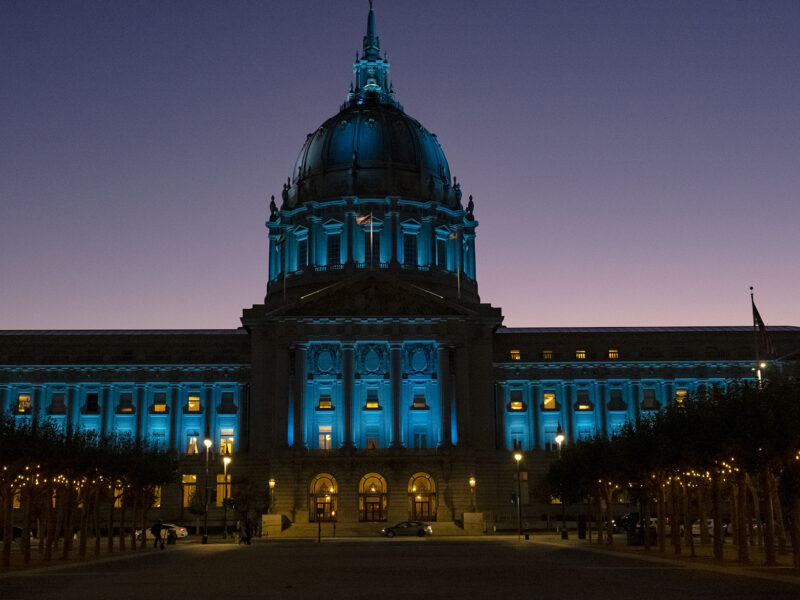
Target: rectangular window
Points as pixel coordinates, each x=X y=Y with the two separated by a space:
x=226 y=444
x=189 y=484
x=419 y=402
x=649 y=400
x=57 y=405
x=547 y=355
x=223 y=491
x=615 y=401
x=583 y=402
x=334 y=249
x=514 y=355
x=193 y=403
x=410 y=249
x=191 y=445
x=156 y=497
x=325 y=402
x=125 y=403
x=372 y=400
x=680 y=396
x=613 y=353
x=227 y=405
x=580 y=354
x=420 y=440
x=325 y=437
x=549 y=401
x=23 y=404
x=516 y=403
x=92 y=403
x=441 y=253
x=160 y=402
x=302 y=253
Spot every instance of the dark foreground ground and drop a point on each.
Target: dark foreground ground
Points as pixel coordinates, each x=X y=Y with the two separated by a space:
x=497 y=568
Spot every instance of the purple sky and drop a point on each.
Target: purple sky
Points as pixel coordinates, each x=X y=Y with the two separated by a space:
x=632 y=163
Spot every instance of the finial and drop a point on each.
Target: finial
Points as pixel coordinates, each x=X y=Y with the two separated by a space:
x=370 y=4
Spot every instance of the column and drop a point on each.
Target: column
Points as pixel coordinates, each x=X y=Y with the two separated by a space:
x=463 y=409
x=634 y=400
x=394 y=223
x=568 y=402
x=395 y=367
x=499 y=415
x=140 y=408
x=444 y=394
x=209 y=414
x=299 y=384
x=243 y=412
x=347 y=392
x=105 y=409
x=72 y=407
x=535 y=416
x=601 y=404
x=176 y=412
x=36 y=402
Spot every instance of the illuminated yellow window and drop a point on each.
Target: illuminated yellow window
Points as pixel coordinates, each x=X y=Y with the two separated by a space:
x=24 y=404
x=118 y=490
x=189 y=483
x=226 y=443
x=547 y=355
x=549 y=402
x=580 y=354
x=157 y=496
x=419 y=401
x=516 y=405
x=191 y=447
x=222 y=492
x=515 y=354
x=584 y=407
x=125 y=403
x=372 y=443
x=325 y=437
x=680 y=396
x=193 y=405
x=160 y=402
x=17 y=501
x=372 y=400
x=613 y=353
x=325 y=402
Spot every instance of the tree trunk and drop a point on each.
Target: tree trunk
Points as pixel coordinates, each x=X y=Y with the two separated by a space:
x=675 y=528
x=662 y=525
x=84 y=523
x=769 y=543
x=778 y=508
x=756 y=513
x=599 y=520
x=122 y=511
x=644 y=521
x=97 y=498
x=609 y=504
x=794 y=531
x=59 y=526
x=8 y=525
x=48 y=526
x=687 y=520
x=741 y=520
x=703 y=516
x=715 y=511
x=25 y=539
x=68 y=512
x=111 y=521
x=145 y=510
x=734 y=514
x=133 y=519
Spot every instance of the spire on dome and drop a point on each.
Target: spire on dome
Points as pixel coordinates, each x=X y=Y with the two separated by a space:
x=371 y=71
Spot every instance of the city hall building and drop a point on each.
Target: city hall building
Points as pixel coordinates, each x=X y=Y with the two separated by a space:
x=372 y=384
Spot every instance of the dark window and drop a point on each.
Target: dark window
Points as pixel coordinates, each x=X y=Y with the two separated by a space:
x=302 y=253
x=226 y=405
x=615 y=401
x=582 y=402
x=334 y=249
x=125 y=405
x=420 y=440
x=410 y=249
x=441 y=253
x=57 y=405
x=419 y=402
x=649 y=400
x=92 y=403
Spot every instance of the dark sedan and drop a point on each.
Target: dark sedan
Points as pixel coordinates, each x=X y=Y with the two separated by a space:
x=407 y=528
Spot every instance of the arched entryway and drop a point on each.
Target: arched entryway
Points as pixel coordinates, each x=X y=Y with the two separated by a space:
x=322 y=498
x=372 y=498
x=422 y=497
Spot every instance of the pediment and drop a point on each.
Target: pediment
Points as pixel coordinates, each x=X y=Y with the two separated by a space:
x=374 y=296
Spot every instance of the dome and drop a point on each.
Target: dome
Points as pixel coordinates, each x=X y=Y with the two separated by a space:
x=370 y=149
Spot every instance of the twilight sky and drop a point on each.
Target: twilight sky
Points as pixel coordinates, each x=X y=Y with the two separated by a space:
x=632 y=163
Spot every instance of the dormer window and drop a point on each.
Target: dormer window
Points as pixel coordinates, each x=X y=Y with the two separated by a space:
x=580 y=354
x=613 y=353
x=547 y=355
x=515 y=355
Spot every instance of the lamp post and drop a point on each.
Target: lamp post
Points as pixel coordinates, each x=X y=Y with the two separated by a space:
x=559 y=440
x=225 y=462
x=472 y=506
x=207 y=444
x=271 y=494
x=518 y=458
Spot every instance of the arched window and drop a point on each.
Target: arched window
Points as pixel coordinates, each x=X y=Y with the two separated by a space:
x=322 y=497
x=422 y=497
x=372 y=498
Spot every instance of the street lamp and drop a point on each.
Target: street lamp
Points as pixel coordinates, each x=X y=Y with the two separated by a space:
x=472 y=506
x=518 y=458
x=271 y=494
x=225 y=462
x=559 y=441
x=207 y=444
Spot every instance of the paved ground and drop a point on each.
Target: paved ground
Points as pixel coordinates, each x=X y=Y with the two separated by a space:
x=497 y=568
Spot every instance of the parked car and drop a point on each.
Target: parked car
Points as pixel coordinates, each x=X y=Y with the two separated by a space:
x=180 y=531
x=407 y=528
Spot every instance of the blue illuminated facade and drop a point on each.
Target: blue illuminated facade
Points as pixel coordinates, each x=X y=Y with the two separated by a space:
x=372 y=383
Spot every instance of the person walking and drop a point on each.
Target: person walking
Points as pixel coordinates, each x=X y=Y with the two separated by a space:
x=156 y=531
